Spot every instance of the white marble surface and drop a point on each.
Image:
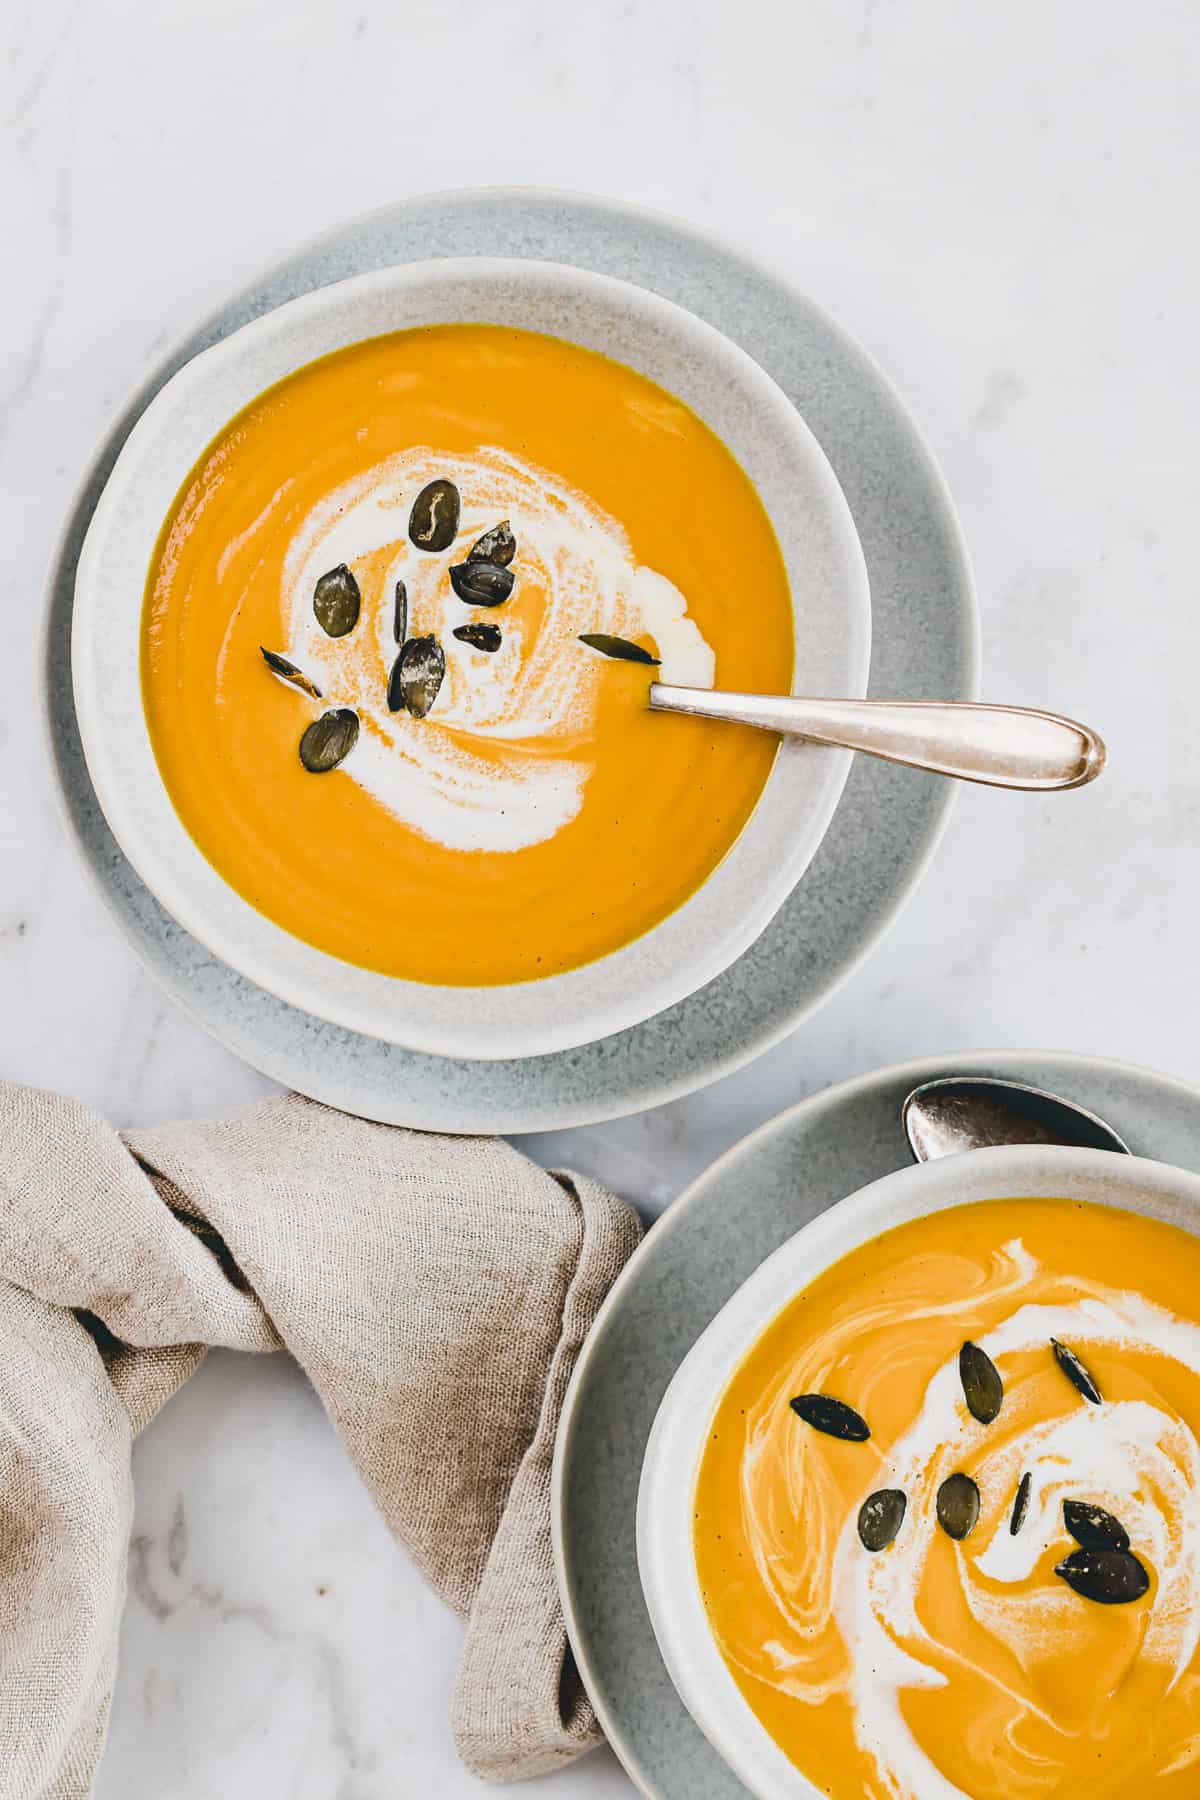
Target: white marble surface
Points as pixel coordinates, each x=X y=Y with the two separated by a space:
x=1001 y=202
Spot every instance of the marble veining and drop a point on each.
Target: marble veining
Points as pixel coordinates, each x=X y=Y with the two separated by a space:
x=1000 y=204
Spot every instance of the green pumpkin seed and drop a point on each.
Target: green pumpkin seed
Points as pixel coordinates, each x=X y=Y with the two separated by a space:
x=958 y=1506
x=495 y=546
x=1021 y=1503
x=400 y=613
x=480 y=637
x=286 y=671
x=417 y=676
x=1075 y=1372
x=833 y=1417
x=481 y=583
x=433 y=521
x=329 y=740
x=1094 y=1528
x=880 y=1517
x=336 y=602
x=982 y=1387
x=1110 y=1577
x=620 y=648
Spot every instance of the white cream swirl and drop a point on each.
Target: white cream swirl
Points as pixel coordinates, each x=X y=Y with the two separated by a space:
x=1136 y=1459
x=502 y=762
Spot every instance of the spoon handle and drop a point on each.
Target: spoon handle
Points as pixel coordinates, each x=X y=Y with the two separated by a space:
x=1004 y=746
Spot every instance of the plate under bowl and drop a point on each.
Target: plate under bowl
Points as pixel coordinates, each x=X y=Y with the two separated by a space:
x=887 y=825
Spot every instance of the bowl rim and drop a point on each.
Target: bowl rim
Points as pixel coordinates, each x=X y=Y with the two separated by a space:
x=176 y=871
x=666 y=1564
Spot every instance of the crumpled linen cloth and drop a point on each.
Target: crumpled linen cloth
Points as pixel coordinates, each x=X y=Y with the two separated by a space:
x=435 y=1290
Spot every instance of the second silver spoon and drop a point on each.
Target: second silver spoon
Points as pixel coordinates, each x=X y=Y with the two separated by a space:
x=973 y=1112
x=1004 y=746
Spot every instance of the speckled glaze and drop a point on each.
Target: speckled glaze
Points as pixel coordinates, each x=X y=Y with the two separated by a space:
x=712 y=1239
x=889 y=819
x=826 y=573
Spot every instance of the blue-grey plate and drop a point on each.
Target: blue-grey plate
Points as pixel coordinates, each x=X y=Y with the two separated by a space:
x=888 y=821
x=707 y=1243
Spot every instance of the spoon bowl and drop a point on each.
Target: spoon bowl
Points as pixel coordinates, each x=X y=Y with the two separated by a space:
x=973 y=1112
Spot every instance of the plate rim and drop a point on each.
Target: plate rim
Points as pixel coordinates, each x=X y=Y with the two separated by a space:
x=674 y=1218
x=440 y=1113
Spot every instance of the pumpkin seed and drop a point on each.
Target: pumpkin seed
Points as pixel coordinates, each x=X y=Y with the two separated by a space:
x=618 y=647
x=1021 y=1503
x=481 y=583
x=880 y=1517
x=480 y=637
x=833 y=1417
x=495 y=546
x=329 y=740
x=981 y=1383
x=1075 y=1372
x=1094 y=1528
x=1111 y=1577
x=433 y=521
x=286 y=671
x=395 y=693
x=417 y=676
x=958 y=1506
x=336 y=602
x=400 y=615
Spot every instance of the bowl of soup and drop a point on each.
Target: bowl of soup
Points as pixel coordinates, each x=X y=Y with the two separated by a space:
x=365 y=625
x=920 y=1512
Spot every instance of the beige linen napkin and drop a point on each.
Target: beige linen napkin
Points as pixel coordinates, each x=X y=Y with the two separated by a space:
x=434 y=1289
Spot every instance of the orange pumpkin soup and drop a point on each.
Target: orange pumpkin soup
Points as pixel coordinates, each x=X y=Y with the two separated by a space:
x=947 y=1522
x=363 y=667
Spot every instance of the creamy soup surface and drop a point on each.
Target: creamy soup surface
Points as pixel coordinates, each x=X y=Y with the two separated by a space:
x=537 y=816
x=899 y=1644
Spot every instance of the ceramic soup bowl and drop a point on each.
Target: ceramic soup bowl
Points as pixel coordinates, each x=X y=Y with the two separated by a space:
x=829 y=591
x=667 y=1495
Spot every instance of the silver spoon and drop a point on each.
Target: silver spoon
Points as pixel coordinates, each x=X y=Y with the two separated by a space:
x=1004 y=746
x=972 y=1112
